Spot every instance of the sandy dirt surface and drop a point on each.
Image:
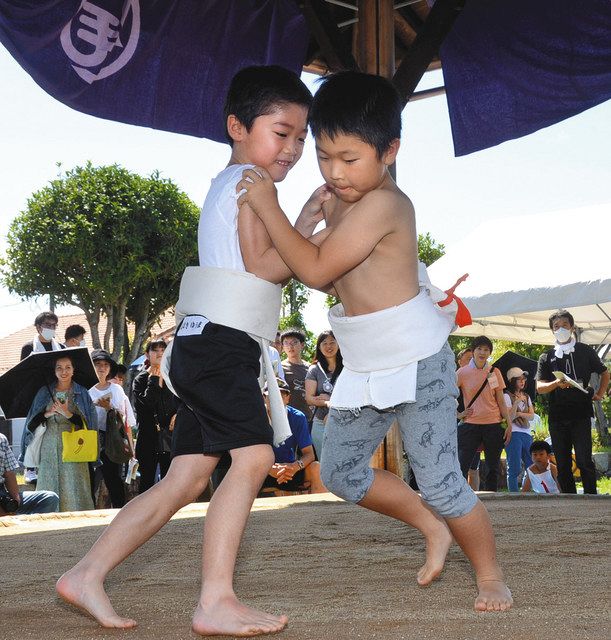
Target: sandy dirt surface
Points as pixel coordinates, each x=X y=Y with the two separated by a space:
x=338 y=571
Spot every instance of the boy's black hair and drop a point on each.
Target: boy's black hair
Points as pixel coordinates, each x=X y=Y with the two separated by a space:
x=121 y=368
x=357 y=104
x=74 y=331
x=153 y=344
x=259 y=91
x=561 y=313
x=481 y=341
x=540 y=445
x=45 y=315
x=293 y=332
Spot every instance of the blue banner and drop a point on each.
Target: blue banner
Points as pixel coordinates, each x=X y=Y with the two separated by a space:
x=511 y=68
x=164 y=64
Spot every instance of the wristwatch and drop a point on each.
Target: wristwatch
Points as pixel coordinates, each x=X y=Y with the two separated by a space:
x=300 y=464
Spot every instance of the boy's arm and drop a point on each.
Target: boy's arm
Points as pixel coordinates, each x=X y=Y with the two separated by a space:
x=554 y=469
x=344 y=248
x=259 y=255
x=526 y=483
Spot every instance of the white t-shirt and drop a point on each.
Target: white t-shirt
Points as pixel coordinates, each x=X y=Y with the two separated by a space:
x=274 y=356
x=217 y=234
x=118 y=401
x=522 y=408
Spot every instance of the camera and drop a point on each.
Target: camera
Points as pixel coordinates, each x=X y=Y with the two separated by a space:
x=7 y=502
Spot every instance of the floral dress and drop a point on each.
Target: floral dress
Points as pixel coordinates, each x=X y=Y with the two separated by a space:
x=70 y=480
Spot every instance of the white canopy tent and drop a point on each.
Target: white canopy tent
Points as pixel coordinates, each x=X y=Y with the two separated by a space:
x=522 y=269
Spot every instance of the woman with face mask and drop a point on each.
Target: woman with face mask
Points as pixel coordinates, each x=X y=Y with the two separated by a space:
x=62 y=405
x=570 y=409
x=319 y=383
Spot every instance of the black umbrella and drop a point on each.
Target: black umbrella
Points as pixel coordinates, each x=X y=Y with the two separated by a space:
x=510 y=359
x=19 y=385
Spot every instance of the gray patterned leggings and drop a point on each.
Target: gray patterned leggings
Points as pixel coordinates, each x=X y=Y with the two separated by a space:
x=428 y=429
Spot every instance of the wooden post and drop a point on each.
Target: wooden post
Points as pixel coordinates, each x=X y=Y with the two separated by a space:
x=375 y=52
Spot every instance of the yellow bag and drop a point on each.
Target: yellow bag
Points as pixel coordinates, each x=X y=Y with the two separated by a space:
x=80 y=446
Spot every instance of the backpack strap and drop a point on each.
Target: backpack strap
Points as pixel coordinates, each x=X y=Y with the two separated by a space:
x=476 y=396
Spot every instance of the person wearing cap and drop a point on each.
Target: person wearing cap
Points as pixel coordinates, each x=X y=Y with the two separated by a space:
x=521 y=412
x=570 y=409
x=294 y=468
x=107 y=395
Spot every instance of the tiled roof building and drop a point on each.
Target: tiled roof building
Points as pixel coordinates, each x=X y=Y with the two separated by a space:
x=10 y=346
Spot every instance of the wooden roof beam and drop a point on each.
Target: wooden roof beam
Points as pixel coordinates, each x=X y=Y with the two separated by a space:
x=404 y=30
x=426 y=46
x=324 y=29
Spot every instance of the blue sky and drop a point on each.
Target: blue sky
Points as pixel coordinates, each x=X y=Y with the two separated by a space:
x=561 y=167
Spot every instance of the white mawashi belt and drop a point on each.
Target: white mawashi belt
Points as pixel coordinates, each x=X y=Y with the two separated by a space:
x=242 y=301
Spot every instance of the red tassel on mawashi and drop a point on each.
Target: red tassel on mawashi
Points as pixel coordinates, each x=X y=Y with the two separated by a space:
x=463 y=315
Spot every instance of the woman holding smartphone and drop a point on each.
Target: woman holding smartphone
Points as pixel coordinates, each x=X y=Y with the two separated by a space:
x=107 y=395
x=62 y=406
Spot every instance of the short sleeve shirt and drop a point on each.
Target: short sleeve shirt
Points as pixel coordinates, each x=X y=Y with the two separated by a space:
x=485 y=408
x=295 y=375
x=522 y=408
x=315 y=373
x=7 y=458
x=300 y=437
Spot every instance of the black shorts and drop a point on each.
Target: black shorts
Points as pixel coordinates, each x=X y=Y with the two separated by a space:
x=216 y=375
x=295 y=484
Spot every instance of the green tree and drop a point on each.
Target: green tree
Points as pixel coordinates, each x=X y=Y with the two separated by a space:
x=107 y=241
x=428 y=249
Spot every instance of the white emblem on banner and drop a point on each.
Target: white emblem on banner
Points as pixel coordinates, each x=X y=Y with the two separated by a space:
x=99 y=46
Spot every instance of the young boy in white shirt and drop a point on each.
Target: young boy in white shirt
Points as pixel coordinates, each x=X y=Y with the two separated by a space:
x=214 y=369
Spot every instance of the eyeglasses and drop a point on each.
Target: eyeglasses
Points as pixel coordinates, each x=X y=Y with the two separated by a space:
x=291 y=343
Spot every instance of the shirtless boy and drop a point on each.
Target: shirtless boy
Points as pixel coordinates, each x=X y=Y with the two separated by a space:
x=542 y=475
x=214 y=369
x=368 y=254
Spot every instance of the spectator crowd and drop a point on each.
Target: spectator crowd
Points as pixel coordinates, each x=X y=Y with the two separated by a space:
x=494 y=412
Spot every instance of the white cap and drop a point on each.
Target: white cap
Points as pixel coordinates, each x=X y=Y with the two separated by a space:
x=516 y=372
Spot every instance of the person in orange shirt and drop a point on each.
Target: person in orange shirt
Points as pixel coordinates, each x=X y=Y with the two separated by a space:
x=482 y=390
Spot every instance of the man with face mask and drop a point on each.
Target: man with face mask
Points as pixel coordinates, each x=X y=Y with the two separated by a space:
x=570 y=410
x=75 y=336
x=46 y=325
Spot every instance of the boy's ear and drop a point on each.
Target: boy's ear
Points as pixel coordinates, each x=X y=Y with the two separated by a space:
x=391 y=153
x=235 y=128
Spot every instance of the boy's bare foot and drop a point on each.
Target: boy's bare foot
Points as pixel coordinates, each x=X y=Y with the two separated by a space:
x=229 y=617
x=437 y=546
x=494 y=595
x=91 y=598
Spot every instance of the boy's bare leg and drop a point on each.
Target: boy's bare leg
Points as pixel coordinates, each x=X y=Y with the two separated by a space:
x=392 y=497
x=474 y=534
x=219 y=612
x=139 y=520
x=312 y=476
